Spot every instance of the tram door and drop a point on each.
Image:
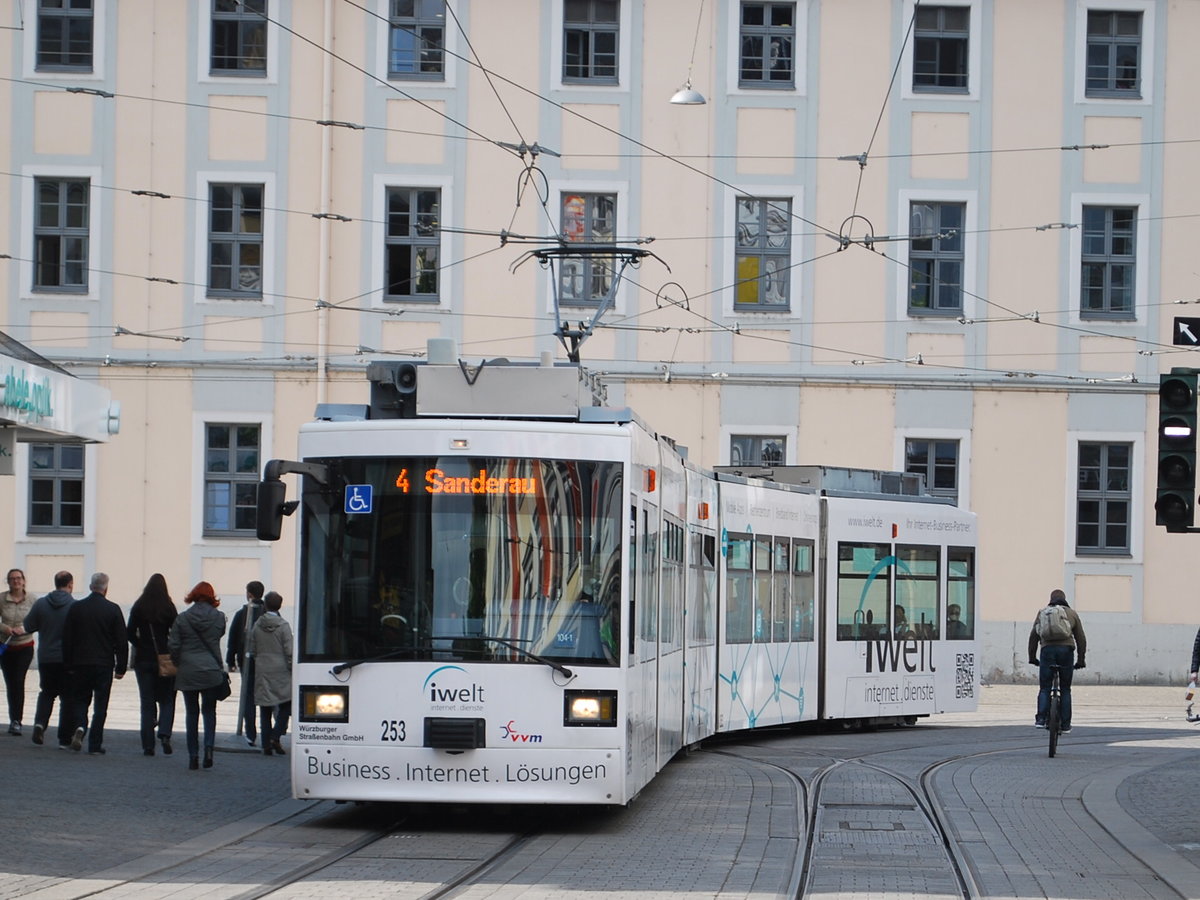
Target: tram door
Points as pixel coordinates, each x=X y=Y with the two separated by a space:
x=700 y=610
x=641 y=695
x=673 y=503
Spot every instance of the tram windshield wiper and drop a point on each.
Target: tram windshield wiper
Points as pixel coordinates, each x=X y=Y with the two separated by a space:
x=504 y=642
x=342 y=667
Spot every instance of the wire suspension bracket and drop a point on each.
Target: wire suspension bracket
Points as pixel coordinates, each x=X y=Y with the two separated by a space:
x=619 y=256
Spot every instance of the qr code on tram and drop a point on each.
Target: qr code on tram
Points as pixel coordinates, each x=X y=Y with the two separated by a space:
x=964 y=675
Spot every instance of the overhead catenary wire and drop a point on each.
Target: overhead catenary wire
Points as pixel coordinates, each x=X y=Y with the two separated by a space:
x=656 y=153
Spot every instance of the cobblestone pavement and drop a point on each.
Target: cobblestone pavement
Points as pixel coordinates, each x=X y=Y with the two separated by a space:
x=75 y=814
x=709 y=827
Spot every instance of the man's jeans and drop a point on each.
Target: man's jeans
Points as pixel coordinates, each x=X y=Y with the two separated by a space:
x=88 y=685
x=1062 y=656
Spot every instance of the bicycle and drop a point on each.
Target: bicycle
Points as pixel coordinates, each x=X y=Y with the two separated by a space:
x=1054 y=713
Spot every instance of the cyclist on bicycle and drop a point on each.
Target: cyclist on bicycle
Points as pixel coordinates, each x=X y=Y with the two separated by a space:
x=1057 y=652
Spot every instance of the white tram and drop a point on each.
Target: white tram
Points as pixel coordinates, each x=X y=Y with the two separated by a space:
x=507 y=595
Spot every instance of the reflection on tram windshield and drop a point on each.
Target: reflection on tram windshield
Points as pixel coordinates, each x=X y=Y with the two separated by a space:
x=452 y=551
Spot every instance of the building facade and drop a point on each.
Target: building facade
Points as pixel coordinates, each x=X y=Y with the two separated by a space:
x=922 y=237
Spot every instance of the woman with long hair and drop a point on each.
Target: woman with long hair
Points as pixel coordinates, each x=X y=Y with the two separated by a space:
x=194 y=645
x=150 y=622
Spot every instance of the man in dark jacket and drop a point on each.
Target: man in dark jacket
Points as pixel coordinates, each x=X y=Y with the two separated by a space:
x=1064 y=653
x=47 y=617
x=237 y=658
x=95 y=649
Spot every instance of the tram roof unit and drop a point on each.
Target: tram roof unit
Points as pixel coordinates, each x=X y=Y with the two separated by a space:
x=838 y=481
x=493 y=389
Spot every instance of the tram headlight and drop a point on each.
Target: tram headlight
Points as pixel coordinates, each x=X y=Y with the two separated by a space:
x=590 y=708
x=324 y=704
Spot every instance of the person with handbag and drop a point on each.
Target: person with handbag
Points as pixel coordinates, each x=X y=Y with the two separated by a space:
x=194 y=645
x=149 y=624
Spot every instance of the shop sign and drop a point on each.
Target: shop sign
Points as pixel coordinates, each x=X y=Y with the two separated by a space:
x=32 y=396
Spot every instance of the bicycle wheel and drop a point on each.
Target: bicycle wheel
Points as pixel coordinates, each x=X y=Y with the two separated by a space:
x=1053 y=717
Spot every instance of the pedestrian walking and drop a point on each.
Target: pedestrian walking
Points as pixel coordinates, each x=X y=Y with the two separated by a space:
x=95 y=650
x=46 y=619
x=194 y=645
x=238 y=659
x=1195 y=666
x=270 y=645
x=149 y=626
x=1060 y=631
x=17 y=653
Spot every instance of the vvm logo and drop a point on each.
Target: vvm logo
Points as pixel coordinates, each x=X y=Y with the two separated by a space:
x=510 y=733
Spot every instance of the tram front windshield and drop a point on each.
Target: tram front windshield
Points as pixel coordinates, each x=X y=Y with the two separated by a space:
x=462 y=558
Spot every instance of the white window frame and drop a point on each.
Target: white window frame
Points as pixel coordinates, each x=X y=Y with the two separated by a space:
x=727 y=216
x=1146 y=65
x=790 y=434
x=970 y=253
x=96 y=232
x=378 y=235
x=558 y=187
x=270 y=238
x=408 y=86
x=962 y=436
x=974 y=54
x=200 y=420
x=733 y=51
x=204 y=74
x=21 y=501
x=29 y=45
x=1137 y=503
x=625 y=43
x=1141 y=257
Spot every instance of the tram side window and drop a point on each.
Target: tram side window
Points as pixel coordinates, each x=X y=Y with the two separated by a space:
x=864 y=591
x=960 y=594
x=739 y=586
x=704 y=576
x=782 y=578
x=802 y=590
x=670 y=625
x=917 y=578
x=762 y=589
x=650 y=599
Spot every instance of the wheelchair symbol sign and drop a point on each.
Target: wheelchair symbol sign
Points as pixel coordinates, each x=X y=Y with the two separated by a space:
x=358 y=498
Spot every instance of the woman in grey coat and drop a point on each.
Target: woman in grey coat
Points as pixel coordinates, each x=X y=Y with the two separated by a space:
x=195 y=647
x=270 y=644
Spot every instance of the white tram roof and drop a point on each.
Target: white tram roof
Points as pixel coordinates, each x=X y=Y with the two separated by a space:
x=838 y=481
x=448 y=388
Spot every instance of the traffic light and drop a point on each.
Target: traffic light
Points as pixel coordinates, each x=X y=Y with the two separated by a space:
x=1175 y=506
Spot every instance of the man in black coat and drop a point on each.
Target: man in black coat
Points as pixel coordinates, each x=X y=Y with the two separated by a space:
x=95 y=650
x=237 y=658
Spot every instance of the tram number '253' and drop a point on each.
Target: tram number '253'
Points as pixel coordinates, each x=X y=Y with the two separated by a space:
x=392 y=730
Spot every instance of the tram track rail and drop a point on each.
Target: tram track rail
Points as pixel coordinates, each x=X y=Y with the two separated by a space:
x=810 y=794
x=241 y=853
x=812 y=768
x=833 y=801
